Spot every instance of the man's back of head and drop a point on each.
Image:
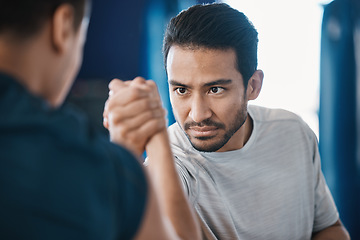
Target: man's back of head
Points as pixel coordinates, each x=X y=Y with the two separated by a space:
x=41 y=44
x=22 y=19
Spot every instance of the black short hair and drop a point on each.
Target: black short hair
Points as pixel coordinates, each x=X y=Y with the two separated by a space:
x=26 y=17
x=215 y=26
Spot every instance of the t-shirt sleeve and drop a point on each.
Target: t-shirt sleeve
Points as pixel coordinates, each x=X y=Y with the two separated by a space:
x=326 y=213
x=183 y=175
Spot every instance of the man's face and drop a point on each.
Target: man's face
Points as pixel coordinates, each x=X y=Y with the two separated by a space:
x=208 y=96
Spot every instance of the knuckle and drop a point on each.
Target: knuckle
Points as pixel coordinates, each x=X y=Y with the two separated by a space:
x=116 y=118
x=135 y=92
x=151 y=83
x=138 y=78
x=114 y=83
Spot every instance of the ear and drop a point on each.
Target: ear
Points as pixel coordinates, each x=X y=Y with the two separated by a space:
x=62 y=27
x=254 y=85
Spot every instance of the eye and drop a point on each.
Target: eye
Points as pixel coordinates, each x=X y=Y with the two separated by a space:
x=216 y=90
x=181 y=91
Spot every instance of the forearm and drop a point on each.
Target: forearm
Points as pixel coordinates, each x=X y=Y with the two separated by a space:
x=168 y=187
x=334 y=232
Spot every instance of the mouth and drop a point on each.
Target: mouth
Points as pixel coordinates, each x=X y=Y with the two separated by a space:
x=203 y=132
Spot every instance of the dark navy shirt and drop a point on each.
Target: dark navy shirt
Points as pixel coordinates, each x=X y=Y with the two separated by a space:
x=59 y=179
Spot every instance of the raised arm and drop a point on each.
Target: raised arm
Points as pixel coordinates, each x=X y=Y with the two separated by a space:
x=162 y=170
x=135 y=118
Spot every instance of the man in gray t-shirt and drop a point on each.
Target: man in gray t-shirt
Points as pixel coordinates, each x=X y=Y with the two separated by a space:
x=272 y=188
x=250 y=172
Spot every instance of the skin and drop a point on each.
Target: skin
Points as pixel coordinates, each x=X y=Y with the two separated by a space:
x=46 y=64
x=144 y=116
x=209 y=99
x=335 y=232
x=135 y=118
x=210 y=103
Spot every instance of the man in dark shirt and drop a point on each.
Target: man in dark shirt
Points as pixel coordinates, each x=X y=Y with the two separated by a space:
x=57 y=175
x=60 y=179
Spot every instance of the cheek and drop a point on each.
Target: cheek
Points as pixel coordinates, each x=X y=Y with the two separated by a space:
x=225 y=110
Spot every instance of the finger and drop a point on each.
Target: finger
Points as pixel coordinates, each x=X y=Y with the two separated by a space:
x=136 y=122
x=153 y=88
x=148 y=129
x=139 y=80
x=135 y=133
x=106 y=123
x=106 y=107
x=105 y=115
x=140 y=83
x=116 y=84
x=130 y=109
x=137 y=138
x=125 y=96
x=137 y=107
x=151 y=83
x=121 y=115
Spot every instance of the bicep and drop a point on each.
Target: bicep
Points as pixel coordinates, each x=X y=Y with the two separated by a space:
x=335 y=231
x=183 y=175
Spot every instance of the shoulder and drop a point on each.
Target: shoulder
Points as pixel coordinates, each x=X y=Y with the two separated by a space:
x=279 y=120
x=263 y=114
x=73 y=166
x=178 y=138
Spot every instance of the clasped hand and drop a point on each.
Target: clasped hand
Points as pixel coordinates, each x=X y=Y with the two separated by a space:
x=133 y=113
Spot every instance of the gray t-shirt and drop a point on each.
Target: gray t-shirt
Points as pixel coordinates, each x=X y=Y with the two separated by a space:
x=272 y=188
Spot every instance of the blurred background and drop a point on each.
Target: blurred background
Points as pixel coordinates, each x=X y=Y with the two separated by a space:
x=309 y=51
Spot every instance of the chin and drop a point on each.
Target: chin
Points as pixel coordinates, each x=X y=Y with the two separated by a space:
x=208 y=147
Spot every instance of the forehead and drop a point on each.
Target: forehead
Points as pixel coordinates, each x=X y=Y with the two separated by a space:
x=201 y=64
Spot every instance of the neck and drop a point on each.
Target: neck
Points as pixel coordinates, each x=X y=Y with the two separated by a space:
x=28 y=64
x=248 y=127
x=240 y=138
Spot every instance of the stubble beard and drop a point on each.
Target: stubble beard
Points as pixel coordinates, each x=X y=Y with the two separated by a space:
x=237 y=123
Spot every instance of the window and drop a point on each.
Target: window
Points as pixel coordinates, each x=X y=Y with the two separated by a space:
x=288 y=53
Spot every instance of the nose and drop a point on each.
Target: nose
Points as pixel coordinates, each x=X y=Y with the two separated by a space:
x=200 y=109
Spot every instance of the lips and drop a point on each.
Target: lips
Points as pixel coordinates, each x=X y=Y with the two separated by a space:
x=206 y=131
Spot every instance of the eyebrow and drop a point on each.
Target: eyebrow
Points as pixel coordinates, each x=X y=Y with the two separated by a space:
x=176 y=83
x=216 y=82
